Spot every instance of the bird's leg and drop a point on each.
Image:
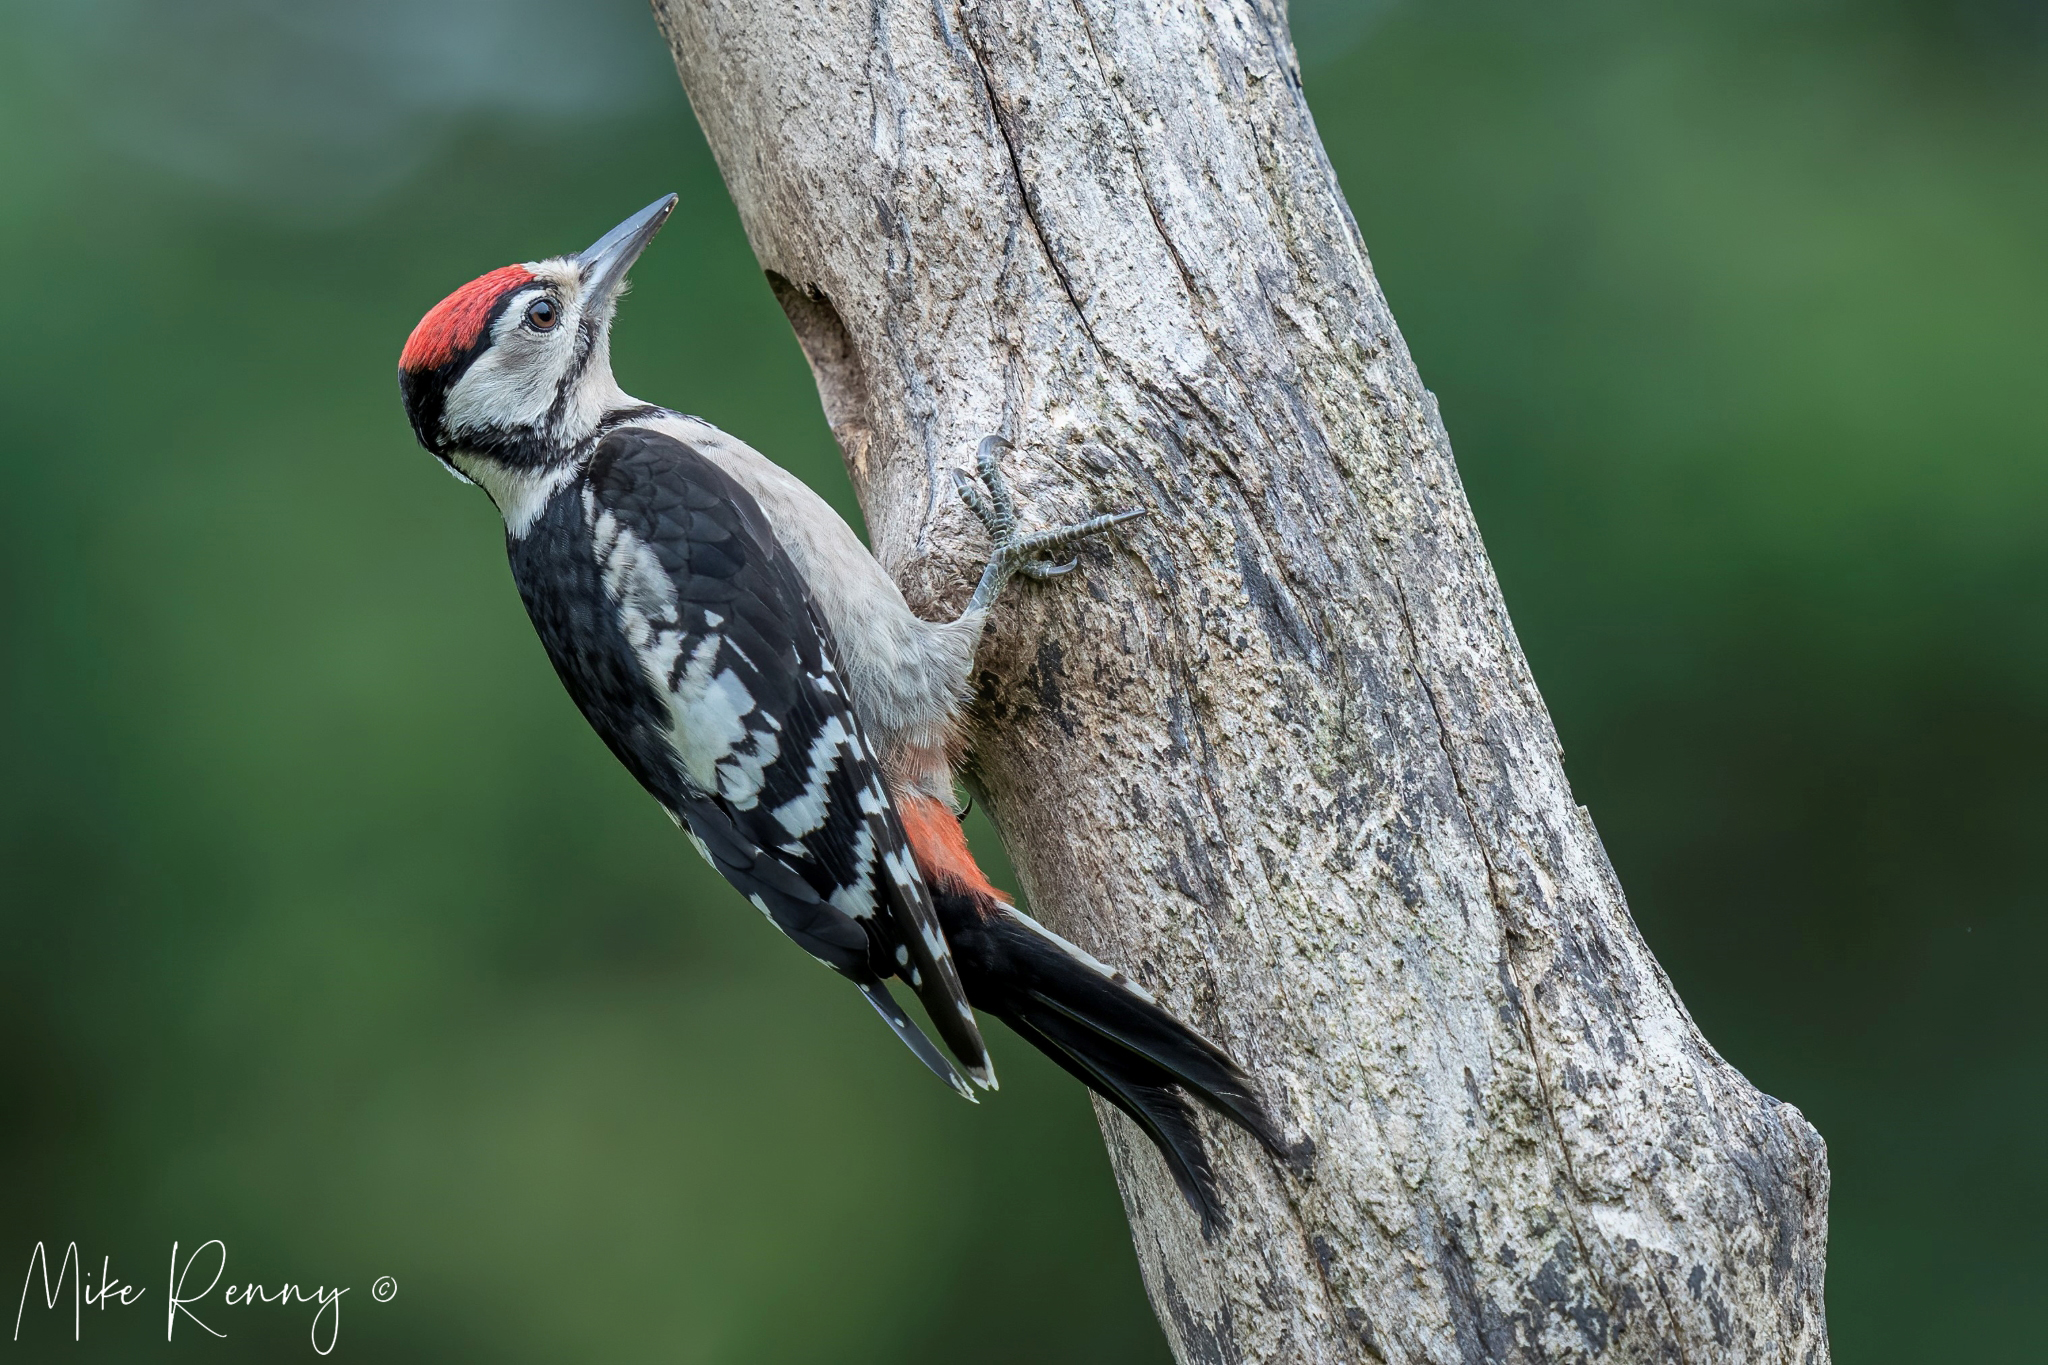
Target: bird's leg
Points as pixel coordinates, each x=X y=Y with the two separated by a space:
x=1030 y=555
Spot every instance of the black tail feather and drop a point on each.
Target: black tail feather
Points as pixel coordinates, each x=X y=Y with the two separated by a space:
x=1106 y=1033
x=1140 y=1090
x=914 y=1037
x=1138 y=1026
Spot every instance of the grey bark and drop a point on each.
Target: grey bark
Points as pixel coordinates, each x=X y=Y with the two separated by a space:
x=1275 y=749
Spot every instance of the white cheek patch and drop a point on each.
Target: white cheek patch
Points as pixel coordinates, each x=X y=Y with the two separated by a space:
x=519 y=380
x=496 y=393
x=514 y=382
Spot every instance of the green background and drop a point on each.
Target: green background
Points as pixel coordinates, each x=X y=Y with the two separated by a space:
x=329 y=930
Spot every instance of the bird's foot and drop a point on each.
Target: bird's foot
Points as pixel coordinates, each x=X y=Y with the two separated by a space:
x=1031 y=555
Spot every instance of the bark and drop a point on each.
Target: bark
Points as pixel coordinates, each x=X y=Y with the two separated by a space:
x=1274 y=749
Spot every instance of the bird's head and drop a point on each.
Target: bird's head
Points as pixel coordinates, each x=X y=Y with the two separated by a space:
x=507 y=375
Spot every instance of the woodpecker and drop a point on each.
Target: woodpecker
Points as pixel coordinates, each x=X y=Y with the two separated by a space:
x=747 y=659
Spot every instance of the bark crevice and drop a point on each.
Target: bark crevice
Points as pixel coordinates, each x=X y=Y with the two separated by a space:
x=842 y=385
x=1024 y=197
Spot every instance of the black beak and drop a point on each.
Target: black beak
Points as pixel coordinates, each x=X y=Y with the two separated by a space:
x=605 y=264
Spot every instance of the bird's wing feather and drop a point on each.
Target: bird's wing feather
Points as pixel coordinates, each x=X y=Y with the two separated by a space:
x=771 y=771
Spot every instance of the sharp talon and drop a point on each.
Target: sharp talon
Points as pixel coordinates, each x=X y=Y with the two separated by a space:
x=1042 y=570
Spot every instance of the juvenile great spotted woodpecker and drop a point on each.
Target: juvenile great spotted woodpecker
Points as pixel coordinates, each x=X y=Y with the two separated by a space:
x=749 y=662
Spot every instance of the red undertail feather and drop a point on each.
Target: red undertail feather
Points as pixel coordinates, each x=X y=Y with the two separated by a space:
x=453 y=325
x=940 y=847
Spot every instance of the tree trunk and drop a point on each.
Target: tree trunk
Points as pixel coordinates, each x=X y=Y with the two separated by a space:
x=1275 y=749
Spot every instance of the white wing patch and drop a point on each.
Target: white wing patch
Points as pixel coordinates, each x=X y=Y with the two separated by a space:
x=858 y=900
x=806 y=812
x=901 y=870
x=740 y=773
x=721 y=752
x=643 y=592
x=724 y=740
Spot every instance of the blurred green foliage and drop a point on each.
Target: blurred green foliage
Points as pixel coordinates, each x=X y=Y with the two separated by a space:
x=331 y=932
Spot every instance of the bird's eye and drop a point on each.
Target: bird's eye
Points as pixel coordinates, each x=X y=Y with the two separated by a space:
x=542 y=314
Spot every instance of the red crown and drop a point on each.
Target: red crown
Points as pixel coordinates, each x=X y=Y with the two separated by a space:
x=453 y=325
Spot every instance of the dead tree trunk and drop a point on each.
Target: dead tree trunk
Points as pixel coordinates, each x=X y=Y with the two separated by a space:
x=1275 y=749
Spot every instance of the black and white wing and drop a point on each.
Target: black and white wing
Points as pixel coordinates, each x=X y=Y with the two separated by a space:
x=714 y=682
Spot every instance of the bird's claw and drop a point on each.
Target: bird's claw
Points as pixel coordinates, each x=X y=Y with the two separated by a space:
x=994 y=507
x=1002 y=516
x=977 y=502
x=1042 y=570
